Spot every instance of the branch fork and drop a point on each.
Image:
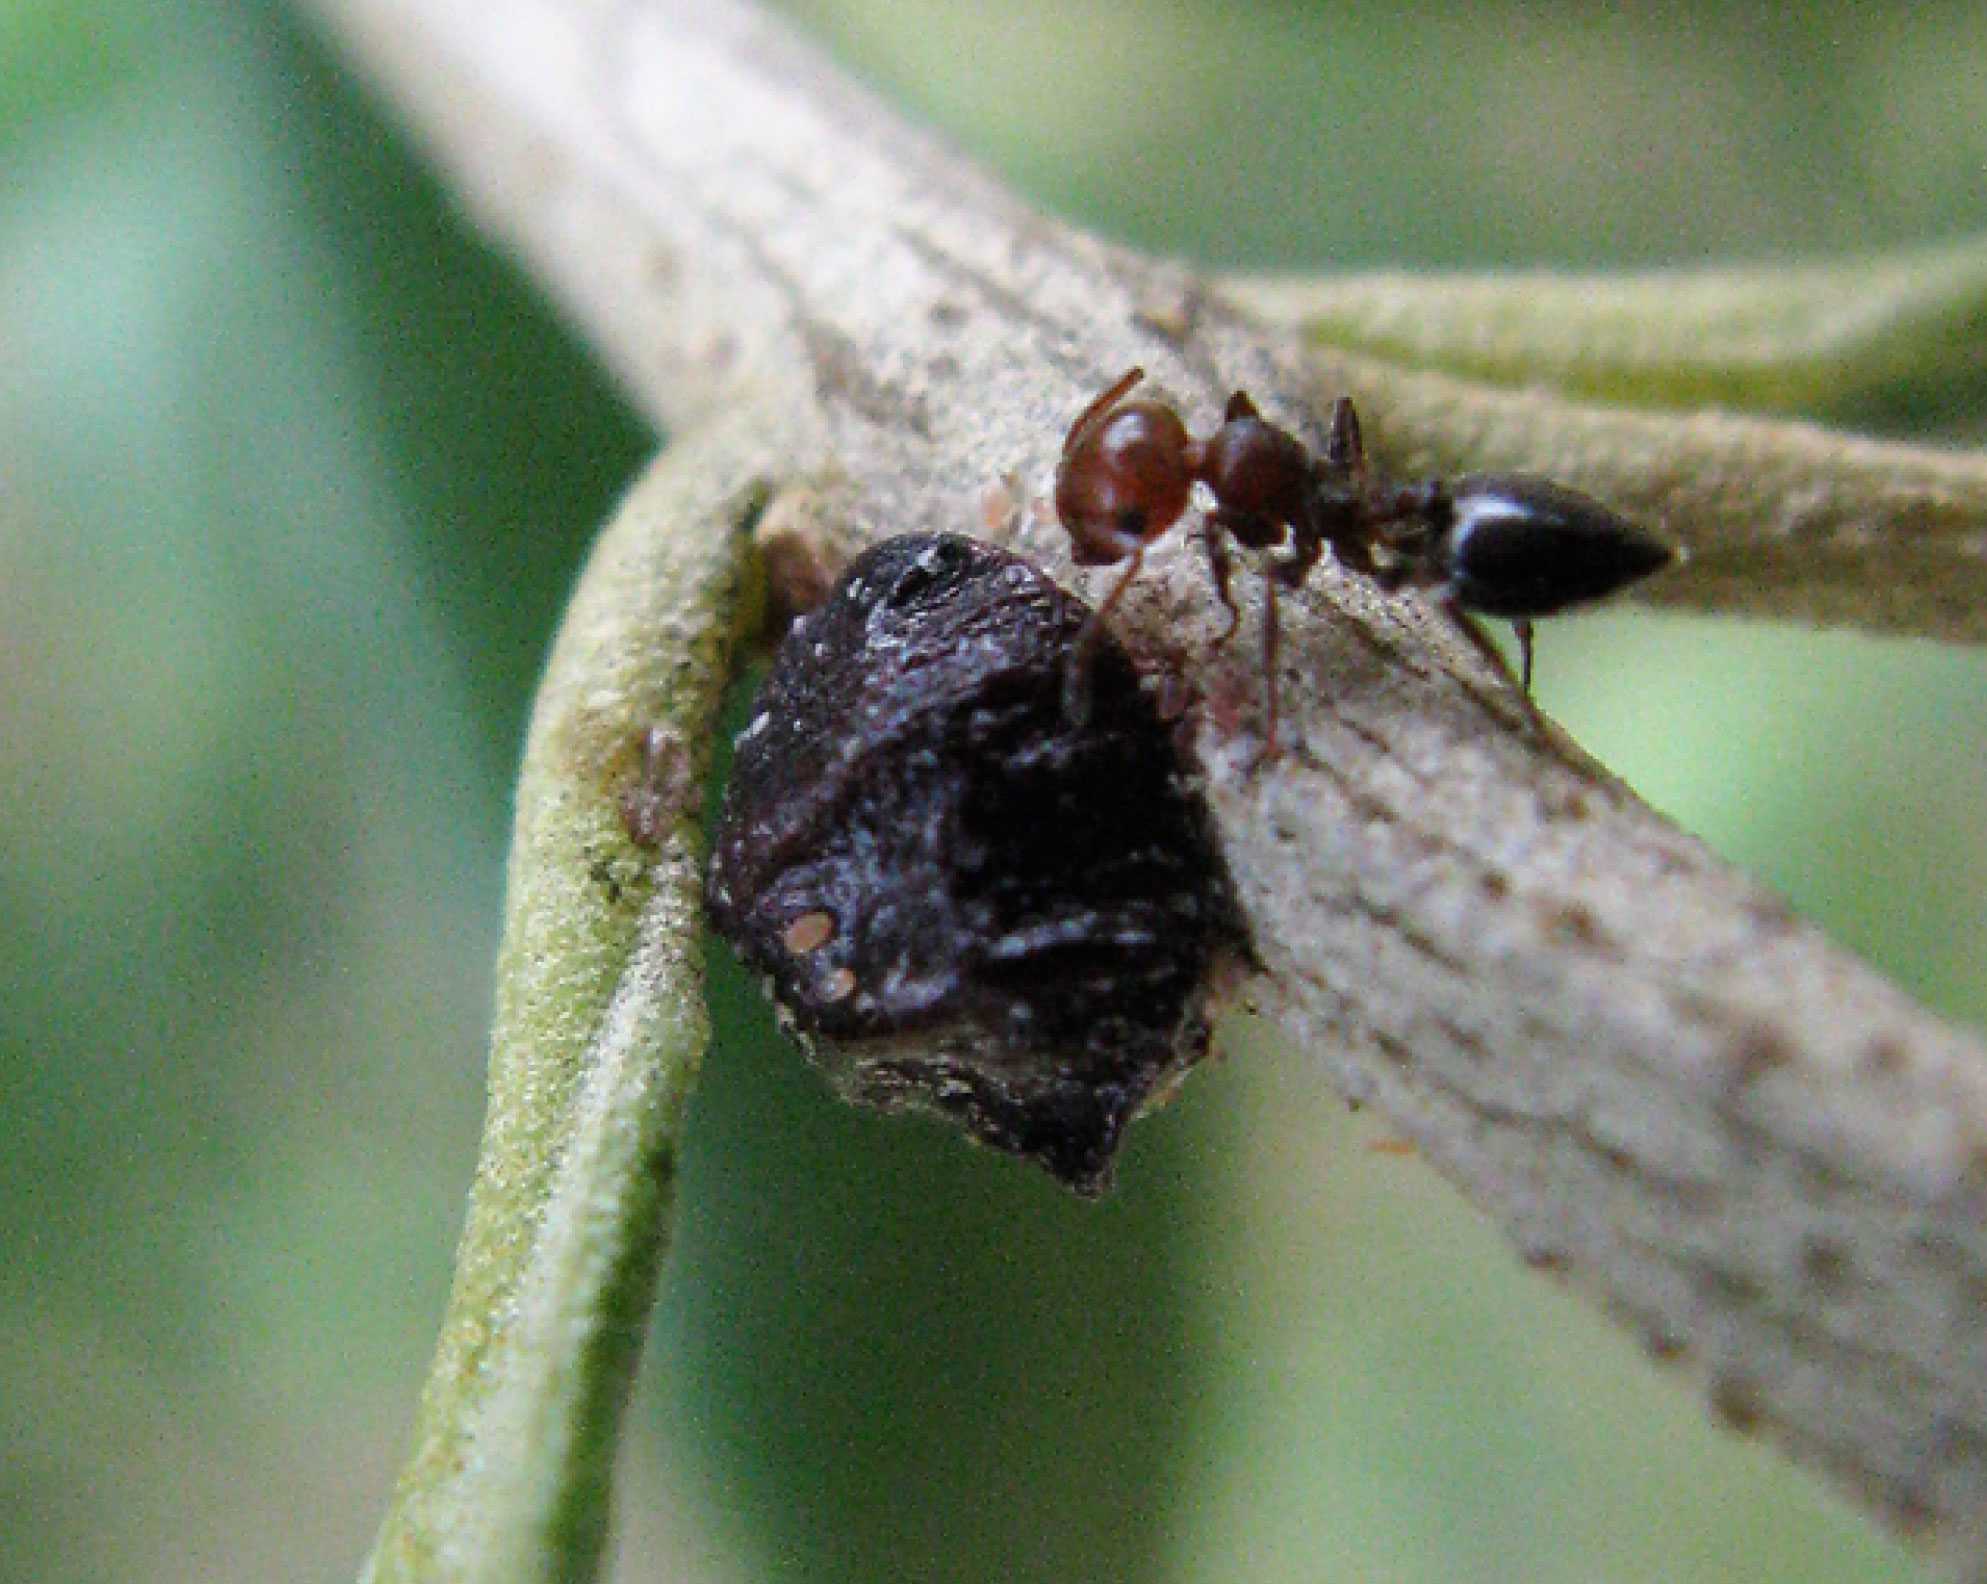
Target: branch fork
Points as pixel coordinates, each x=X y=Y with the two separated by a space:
x=1751 y=1149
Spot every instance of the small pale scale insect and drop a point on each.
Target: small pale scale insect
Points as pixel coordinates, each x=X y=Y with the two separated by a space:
x=963 y=900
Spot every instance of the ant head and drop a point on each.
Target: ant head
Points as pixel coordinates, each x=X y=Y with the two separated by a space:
x=1126 y=475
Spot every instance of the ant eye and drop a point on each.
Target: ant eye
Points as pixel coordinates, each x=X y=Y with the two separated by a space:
x=965 y=901
x=1521 y=546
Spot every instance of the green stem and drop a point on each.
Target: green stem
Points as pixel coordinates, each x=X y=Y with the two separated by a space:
x=1781 y=520
x=1794 y=338
x=599 y=1032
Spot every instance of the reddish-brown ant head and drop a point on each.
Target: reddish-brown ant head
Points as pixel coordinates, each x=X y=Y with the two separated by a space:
x=1126 y=475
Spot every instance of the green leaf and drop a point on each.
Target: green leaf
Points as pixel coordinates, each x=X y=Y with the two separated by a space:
x=600 y=1029
x=1794 y=338
x=1781 y=520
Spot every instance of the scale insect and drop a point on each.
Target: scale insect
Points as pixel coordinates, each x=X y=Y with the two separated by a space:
x=963 y=900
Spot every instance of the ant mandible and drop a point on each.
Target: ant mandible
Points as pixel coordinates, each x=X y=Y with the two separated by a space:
x=1509 y=545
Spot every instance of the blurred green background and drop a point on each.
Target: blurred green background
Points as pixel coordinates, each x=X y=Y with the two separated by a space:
x=294 y=475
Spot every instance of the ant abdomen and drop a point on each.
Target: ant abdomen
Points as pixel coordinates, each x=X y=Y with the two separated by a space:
x=1519 y=546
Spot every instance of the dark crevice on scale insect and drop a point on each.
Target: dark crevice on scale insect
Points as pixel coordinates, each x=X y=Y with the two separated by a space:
x=1509 y=545
x=964 y=900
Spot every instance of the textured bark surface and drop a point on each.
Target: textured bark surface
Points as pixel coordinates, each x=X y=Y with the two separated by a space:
x=1758 y=1154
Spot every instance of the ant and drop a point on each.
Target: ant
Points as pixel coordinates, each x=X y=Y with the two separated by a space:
x=1510 y=545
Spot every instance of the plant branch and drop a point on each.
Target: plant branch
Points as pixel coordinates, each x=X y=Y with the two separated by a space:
x=1795 y=338
x=1784 y=521
x=600 y=1030
x=1764 y=1159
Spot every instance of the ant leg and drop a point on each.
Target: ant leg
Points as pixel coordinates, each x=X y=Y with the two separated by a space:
x=1480 y=640
x=1345 y=447
x=1306 y=549
x=1101 y=406
x=1272 y=634
x=1076 y=669
x=1522 y=626
x=1221 y=567
x=1291 y=574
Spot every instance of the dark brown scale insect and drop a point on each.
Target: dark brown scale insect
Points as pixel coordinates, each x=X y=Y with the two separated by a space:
x=1510 y=545
x=964 y=900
